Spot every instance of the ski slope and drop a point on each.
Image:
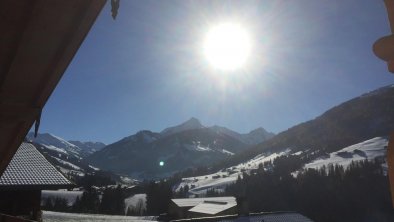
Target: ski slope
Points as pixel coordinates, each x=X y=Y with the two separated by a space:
x=219 y=180
x=369 y=149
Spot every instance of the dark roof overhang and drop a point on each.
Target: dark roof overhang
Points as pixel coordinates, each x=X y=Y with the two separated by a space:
x=38 y=40
x=37 y=187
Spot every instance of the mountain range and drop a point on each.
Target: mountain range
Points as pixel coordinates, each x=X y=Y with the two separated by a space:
x=362 y=118
x=67 y=156
x=73 y=147
x=355 y=130
x=148 y=154
x=189 y=144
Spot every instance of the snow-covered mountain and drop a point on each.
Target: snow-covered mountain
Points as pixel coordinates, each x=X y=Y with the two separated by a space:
x=55 y=143
x=367 y=116
x=255 y=136
x=366 y=150
x=353 y=130
x=369 y=149
x=76 y=148
x=88 y=147
x=139 y=155
x=65 y=155
x=189 y=144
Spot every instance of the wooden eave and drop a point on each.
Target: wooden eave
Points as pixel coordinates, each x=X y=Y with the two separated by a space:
x=38 y=39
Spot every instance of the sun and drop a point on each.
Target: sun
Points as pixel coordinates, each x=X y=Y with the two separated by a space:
x=227 y=46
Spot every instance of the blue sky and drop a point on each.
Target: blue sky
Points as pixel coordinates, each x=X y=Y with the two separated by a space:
x=145 y=69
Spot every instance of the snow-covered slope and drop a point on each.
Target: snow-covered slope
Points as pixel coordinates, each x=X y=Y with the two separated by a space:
x=220 y=179
x=88 y=147
x=369 y=149
x=70 y=196
x=76 y=148
x=66 y=156
x=50 y=140
x=136 y=202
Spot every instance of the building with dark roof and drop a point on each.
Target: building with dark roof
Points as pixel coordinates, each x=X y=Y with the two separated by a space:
x=21 y=183
x=202 y=207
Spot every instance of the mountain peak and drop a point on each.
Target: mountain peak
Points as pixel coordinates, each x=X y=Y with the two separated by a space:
x=257 y=136
x=192 y=123
x=258 y=130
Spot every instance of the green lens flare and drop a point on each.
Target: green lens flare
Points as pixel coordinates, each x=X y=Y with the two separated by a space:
x=161 y=163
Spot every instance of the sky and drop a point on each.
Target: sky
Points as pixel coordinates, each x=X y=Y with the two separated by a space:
x=146 y=69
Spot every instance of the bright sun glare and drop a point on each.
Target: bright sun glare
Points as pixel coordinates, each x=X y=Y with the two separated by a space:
x=227 y=46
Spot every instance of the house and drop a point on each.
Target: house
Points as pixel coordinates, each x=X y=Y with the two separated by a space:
x=22 y=181
x=255 y=217
x=202 y=207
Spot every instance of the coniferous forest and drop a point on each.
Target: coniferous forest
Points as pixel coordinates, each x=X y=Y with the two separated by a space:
x=359 y=192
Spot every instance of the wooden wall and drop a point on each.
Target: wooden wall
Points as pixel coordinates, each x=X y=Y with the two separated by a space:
x=25 y=203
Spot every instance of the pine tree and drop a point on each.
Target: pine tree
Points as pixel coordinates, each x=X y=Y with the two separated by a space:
x=112 y=201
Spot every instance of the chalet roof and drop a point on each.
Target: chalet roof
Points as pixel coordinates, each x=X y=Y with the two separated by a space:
x=212 y=208
x=29 y=169
x=192 y=202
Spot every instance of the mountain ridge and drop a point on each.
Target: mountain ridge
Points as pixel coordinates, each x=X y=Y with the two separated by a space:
x=189 y=144
x=361 y=118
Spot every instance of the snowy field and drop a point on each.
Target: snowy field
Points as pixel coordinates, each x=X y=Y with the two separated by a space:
x=219 y=180
x=135 y=200
x=54 y=148
x=73 y=166
x=369 y=149
x=50 y=216
x=70 y=196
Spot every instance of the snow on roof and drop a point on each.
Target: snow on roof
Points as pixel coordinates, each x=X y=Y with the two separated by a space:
x=28 y=168
x=192 y=202
x=212 y=208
